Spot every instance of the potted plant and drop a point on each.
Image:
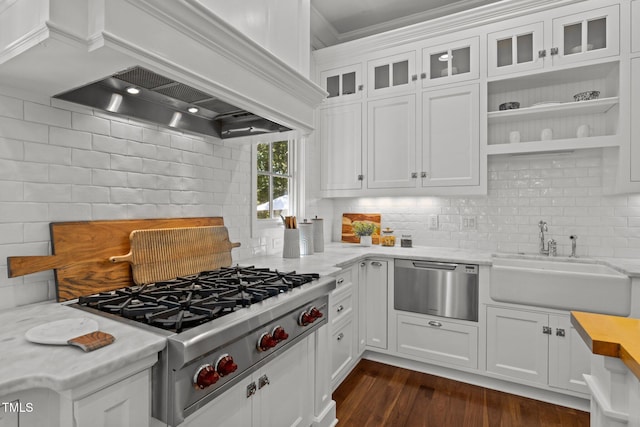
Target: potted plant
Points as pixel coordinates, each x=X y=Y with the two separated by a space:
x=364 y=230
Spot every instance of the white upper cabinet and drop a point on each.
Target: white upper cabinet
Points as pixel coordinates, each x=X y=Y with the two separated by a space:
x=635 y=27
x=560 y=40
x=340 y=129
x=450 y=63
x=587 y=35
x=451 y=137
x=516 y=49
x=343 y=84
x=391 y=74
x=635 y=123
x=391 y=142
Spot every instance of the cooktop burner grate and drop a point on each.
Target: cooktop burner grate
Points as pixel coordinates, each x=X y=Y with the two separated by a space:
x=185 y=302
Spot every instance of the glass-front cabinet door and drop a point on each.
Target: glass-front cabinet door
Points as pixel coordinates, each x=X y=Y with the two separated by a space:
x=450 y=63
x=516 y=49
x=587 y=35
x=343 y=83
x=391 y=74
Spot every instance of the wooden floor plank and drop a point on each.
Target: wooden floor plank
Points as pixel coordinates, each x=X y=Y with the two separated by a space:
x=375 y=394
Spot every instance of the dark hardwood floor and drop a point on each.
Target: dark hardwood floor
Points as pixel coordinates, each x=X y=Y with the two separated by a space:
x=375 y=394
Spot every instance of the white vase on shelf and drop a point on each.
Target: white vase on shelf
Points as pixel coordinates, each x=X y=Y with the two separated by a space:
x=366 y=241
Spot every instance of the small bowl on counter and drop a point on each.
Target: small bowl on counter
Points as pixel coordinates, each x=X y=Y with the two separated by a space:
x=586 y=96
x=511 y=105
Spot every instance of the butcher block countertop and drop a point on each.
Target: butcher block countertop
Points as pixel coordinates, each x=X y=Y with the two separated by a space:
x=26 y=365
x=611 y=336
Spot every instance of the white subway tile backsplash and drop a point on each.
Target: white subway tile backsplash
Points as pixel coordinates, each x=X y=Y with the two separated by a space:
x=45 y=153
x=110 y=145
x=69 y=174
x=156 y=137
x=126 y=131
x=90 y=159
x=89 y=194
x=69 y=138
x=43 y=192
x=11 y=191
x=108 y=178
x=12 y=170
x=90 y=123
x=126 y=163
x=19 y=129
x=69 y=212
x=11 y=107
x=47 y=115
x=121 y=195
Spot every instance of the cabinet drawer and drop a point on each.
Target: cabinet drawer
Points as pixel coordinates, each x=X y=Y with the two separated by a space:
x=341 y=304
x=342 y=351
x=435 y=339
x=344 y=278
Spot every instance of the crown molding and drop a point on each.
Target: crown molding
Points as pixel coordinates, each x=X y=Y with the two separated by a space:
x=469 y=19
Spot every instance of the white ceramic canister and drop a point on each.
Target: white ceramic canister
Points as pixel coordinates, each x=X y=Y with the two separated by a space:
x=306 y=238
x=546 y=134
x=514 y=137
x=318 y=234
x=291 y=245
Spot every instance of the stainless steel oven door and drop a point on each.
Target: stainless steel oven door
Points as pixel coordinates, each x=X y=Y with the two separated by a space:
x=436 y=288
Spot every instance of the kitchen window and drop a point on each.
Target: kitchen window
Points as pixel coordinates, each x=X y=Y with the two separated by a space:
x=274 y=180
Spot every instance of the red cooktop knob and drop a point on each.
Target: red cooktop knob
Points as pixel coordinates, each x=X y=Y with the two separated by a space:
x=205 y=376
x=266 y=341
x=305 y=318
x=225 y=365
x=315 y=313
x=279 y=334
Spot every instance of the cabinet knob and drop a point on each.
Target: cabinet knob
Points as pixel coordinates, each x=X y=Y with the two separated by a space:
x=263 y=381
x=360 y=88
x=560 y=332
x=251 y=389
x=434 y=323
x=340 y=308
x=360 y=177
x=340 y=336
x=376 y=264
x=414 y=174
x=546 y=330
x=340 y=281
x=423 y=175
x=423 y=75
x=414 y=77
x=554 y=51
x=542 y=53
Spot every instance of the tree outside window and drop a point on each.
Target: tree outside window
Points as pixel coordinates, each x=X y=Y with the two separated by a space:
x=273 y=179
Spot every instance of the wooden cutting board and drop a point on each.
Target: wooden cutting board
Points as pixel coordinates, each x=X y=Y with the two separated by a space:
x=165 y=254
x=81 y=251
x=348 y=219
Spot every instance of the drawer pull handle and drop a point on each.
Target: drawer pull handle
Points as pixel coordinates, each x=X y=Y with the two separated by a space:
x=340 y=281
x=340 y=308
x=340 y=336
x=434 y=323
x=376 y=264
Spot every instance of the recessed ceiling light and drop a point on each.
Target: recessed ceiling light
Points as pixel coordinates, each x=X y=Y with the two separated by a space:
x=193 y=110
x=133 y=90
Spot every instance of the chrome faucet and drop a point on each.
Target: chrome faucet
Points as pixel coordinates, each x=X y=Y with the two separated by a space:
x=551 y=249
x=573 y=238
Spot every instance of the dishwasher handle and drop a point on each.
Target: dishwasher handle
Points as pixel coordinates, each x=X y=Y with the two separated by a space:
x=435 y=265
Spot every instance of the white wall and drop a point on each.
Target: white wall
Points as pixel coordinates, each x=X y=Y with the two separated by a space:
x=64 y=162
x=565 y=190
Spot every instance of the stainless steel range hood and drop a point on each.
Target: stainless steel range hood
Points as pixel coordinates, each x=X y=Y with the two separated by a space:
x=166 y=102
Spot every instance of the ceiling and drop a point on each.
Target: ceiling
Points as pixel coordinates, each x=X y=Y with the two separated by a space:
x=337 y=21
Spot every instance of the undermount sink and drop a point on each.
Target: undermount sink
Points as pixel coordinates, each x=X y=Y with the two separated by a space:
x=561 y=284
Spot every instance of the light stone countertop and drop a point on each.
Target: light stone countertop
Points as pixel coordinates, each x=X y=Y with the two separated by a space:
x=25 y=365
x=337 y=255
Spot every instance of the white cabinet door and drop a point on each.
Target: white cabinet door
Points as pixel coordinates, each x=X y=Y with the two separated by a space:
x=285 y=389
x=587 y=35
x=451 y=137
x=450 y=63
x=517 y=347
x=342 y=351
x=124 y=404
x=231 y=409
x=569 y=356
x=437 y=339
x=391 y=142
x=515 y=49
x=342 y=84
x=391 y=74
x=635 y=26
x=635 y=123
x=375 y=284
x=9 y=413
x=340 y=130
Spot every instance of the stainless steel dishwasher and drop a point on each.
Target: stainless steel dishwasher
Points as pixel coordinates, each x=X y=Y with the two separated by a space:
x=436 y=288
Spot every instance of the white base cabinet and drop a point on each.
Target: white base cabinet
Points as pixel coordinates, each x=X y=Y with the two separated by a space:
x=343 y=320
x=374 y=285
x=283 y=395
x=437 y=339
x=536 y=347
